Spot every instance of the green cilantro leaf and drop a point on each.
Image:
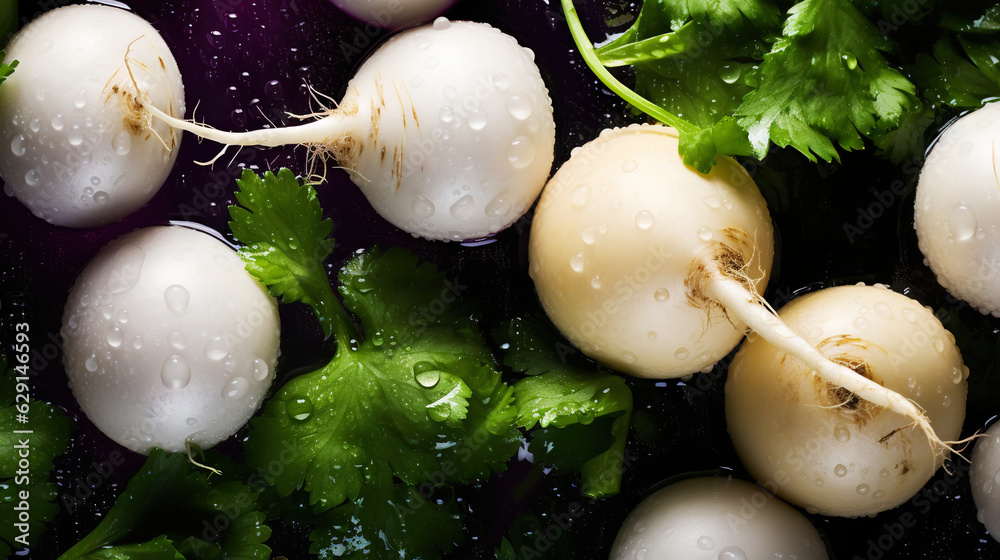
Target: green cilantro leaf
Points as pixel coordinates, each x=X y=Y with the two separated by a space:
x=50 y=430
x=401 y=522
x=948 y=78
x=418 y=395
x=825 y=83
x=202 y=521
x=699 y=72
x=731 y=14
x=286 y=241
x=560 y=394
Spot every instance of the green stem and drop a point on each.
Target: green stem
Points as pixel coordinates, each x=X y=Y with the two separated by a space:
x=586 y=48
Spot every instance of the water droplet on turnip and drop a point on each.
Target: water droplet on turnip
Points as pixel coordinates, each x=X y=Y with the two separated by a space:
x=176 y=373
x=177 y=298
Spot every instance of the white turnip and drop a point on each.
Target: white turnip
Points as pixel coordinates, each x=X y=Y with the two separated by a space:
x=984 y=477
x=826 y=449
x=446 y=128
x=655 y=269
x=82 y=152
x=957 y=209
x=168 y=340
x=716 y=518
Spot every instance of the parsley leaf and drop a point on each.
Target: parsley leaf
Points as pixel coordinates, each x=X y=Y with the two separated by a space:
x=825 y=83
x=51 y=428
x=281 y=223
x=570 y=397
x=192 y=518
x=418 y=395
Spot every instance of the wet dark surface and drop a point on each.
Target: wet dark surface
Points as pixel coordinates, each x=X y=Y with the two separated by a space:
x=249 y=61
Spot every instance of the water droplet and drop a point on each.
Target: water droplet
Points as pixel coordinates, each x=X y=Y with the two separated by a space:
x=713 y=202
x=137 y=342
x=705 y=233
x=464 y=208
x=661 y=295
x=478 y=120
x=442 y=23
x=217 y=348
x=127 y=265
x=299 y=409
x=729 y=73
x=191 y=421
x=32 y=177
x=576 y=262
x=644 y=220
x=842 y=433
x=580 y=196
x=938 y=344
x=840 y=470
x=101 y=197
x=236 y=389
x=259 y=369
x=521 y=152
x=878 y=494
x=422 y=208
x=95 y=180
x=91 y=364
x=863 y=489
x=909 y=315
x=682 y=353
x=447 y=114
x=911 y=382
x=501 y=81
x=80 y=101
x=962 y=222
x=732 y=553
x=629 y=358
x=883 y=310
x=630 y=165
x=850 y=61
x=595 y=282
x=176 y=373
x=519 y=106
x=122 y=143
x=58 y=122
x=177 y=298
x=35 y=125
x=426 y=374
x=945 y=401
x=75 y=136
x=861 y=323
x=115 y=336
x=498 y=207
x=17 y=145
x=706 y=543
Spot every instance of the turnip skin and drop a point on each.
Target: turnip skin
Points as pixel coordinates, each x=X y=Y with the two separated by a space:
x=957 y=209
x=716 y=518
x=983 y=479
x=611 y=256
x=394 y=14
x=78 y=151
x=168 y=340
x=447 y=129
x=787 y=426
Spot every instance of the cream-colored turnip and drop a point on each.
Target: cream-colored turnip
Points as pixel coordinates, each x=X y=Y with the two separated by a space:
x=826 y=449
x=168 y=340
x=716 y=518
x=447 y=129
x=957 y=209
x=82 y=152
x=621 y=237
x=983 y=478
x=655 y=269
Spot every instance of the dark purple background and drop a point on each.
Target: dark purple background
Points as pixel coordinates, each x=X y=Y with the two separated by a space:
x=248 y=61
